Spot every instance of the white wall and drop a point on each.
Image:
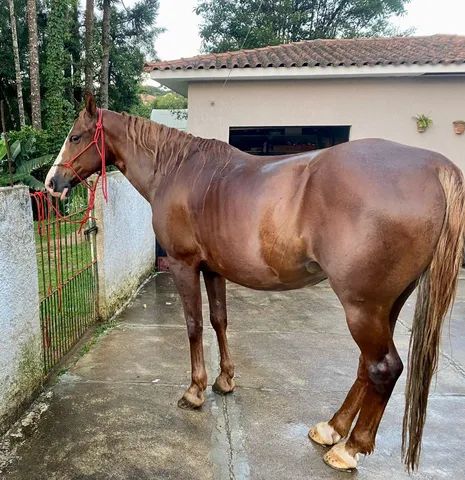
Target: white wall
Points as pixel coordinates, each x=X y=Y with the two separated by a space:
x=373 y=107
x=125 y=243
x=21 y=366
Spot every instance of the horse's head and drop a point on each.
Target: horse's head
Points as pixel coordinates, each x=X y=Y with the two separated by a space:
x=80 y=155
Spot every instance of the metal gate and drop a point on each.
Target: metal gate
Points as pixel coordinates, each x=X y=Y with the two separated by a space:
x=67 y=265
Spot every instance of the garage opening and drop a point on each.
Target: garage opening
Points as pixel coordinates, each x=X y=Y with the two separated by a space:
x=286 y=140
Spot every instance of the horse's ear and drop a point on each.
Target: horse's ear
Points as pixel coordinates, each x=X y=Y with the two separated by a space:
x=91 y=107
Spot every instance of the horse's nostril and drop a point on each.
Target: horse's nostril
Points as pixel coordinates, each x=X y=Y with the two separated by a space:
x=52 y=184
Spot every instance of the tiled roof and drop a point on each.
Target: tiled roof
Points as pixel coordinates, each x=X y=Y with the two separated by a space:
x=436 y=49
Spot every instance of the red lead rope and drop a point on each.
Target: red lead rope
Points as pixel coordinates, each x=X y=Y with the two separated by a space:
x=46 y=207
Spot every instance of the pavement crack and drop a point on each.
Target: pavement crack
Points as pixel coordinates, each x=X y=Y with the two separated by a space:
x=456 y=366
x=227 y=424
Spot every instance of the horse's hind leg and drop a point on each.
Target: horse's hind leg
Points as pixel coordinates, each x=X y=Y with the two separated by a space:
x=187 y=279
x=216 y=290
x=371 y=329
x=329 y=433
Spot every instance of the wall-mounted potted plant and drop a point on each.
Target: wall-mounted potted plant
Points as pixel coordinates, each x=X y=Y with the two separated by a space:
x=423 y=122
x=459 y=127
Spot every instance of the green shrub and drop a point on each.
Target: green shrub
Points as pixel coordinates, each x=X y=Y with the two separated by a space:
x=29 y=162
x=38 y=142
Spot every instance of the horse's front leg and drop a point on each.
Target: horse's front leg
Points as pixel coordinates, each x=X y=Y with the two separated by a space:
x=216 y=290
x=187 y=279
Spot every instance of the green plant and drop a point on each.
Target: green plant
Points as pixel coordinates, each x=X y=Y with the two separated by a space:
x=23 y=164
x=166 y=101
x=170 y=101
x=41 y=143
x=58 y=109
x=142 y=110
x=423 y=122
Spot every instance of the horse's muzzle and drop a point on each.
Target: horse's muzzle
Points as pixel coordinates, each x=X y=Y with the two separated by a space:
x=58 y=186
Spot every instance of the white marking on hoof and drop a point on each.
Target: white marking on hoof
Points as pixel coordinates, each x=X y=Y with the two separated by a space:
x=324 y=434
x=340 y=459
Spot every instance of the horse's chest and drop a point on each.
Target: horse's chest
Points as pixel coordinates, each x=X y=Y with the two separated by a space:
x=176 y=234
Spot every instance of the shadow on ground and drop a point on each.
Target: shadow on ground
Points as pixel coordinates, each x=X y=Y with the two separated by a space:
x=114 y=415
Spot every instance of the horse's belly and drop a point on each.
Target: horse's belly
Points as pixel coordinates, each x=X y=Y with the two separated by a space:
x=260 y=276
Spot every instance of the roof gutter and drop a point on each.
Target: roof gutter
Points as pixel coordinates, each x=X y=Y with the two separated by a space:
x=178 y=80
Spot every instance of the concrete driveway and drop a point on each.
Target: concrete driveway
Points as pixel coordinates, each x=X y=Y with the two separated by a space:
x=114 y=415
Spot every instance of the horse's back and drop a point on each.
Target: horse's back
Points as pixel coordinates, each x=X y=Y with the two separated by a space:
x=363 y=206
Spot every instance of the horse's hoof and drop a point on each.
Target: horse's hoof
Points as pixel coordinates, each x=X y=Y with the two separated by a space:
x=340 y=459
x=224 y=385
x=190 y=401
x=324 y=434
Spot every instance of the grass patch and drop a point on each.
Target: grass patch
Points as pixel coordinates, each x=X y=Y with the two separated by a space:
x=99 y=331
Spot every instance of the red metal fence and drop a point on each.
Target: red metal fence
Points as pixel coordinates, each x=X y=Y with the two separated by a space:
x=67 y=264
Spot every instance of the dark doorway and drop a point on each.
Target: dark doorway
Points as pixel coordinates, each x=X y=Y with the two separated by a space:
x=286 y=140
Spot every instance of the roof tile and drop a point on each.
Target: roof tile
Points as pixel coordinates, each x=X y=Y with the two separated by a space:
x=435 y=49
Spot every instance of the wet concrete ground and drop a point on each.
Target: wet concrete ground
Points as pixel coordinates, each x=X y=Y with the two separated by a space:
x=114 y=415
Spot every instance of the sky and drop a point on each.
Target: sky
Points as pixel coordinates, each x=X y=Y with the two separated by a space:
x=181 y=38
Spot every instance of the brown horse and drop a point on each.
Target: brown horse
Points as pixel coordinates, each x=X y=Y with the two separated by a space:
x=373 y=217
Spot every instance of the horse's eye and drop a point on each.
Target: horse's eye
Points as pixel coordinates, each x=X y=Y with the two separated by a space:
x=75 y=138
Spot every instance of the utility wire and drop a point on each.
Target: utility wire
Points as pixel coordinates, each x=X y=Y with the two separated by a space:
x=245 y=39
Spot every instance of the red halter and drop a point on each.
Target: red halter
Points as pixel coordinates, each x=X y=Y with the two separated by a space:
x=42 y=199
x=99 y=142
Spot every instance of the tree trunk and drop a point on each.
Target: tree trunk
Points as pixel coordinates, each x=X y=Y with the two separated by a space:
x=19 y=80
x=75 y=50
x=34 y=64
x=89 y=64
x=104 y=80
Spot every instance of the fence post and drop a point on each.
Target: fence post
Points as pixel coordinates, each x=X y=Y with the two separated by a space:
x=21 y=362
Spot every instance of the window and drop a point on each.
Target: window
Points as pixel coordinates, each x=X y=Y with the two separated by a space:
x=286 y=140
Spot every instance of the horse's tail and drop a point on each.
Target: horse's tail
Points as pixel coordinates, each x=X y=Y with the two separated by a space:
x=436 y=292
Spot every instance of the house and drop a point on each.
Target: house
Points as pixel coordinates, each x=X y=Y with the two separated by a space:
x=317 y=93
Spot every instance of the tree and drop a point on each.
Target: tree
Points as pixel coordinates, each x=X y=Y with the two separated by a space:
x=104 y=73
x=170 y=101
x=89 y=36
x=59 y=110
x=34 y=72
x=132 y=33
x=164 y=101
x=19 y=80
x=234 y=24
x=50 y=34
x=73 y=51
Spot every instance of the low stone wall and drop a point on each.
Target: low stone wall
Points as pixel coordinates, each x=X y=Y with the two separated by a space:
x=21 y=367
x=125 y=243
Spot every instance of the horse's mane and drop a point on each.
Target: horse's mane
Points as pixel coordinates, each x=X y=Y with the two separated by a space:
x=169 y=146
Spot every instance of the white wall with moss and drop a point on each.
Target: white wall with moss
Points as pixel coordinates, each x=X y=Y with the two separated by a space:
x=125 y=243
x=21 y=366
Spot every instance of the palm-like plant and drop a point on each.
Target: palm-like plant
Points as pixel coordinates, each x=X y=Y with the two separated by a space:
x=23 y=164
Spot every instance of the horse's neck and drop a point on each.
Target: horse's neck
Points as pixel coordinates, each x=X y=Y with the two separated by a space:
x=135 y=154
x=146 y=152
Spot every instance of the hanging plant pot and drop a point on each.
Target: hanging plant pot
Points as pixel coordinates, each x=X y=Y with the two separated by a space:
x=423 y=122
x=459 y=127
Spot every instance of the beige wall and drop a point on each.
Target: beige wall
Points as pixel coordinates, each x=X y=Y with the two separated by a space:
x=373 y=107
